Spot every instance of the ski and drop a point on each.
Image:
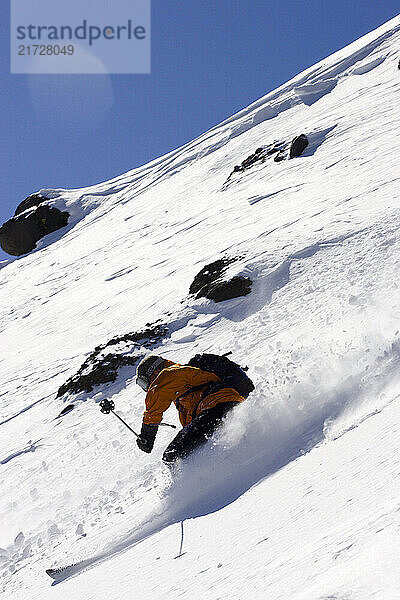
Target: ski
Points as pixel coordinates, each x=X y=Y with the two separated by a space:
x=60 y=573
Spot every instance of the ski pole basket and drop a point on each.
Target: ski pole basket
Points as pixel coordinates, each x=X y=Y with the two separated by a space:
x=106 y=406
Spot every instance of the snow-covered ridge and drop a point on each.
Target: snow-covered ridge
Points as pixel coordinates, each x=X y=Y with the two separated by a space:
x=304 y=473
x=308 y=87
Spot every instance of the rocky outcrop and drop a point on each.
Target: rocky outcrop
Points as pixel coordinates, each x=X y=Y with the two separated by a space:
x=209 y=282
x=209 y=274
x=20 y=234
x=259 y=156
x=227 y=290
x=278 y=150
x=104 y=363
x=29 y=202
x=298 y=145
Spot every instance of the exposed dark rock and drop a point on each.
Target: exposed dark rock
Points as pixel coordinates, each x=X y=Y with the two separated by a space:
x=209 y=282
x=209 y=274
x=20 y=234
x=103 y=370
x=103 y=365
x=259 y=156
x=66 y=410
x=226 y=290
x=298 y=145
x=274 y=149
x=263 y=153
x=29 y=202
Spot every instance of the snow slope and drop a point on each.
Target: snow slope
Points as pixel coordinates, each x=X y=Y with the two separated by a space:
x=298 y=495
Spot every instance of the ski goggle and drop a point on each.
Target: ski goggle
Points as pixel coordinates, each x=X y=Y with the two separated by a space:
x=143 y=382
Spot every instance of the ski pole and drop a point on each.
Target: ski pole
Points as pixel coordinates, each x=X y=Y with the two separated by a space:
x=107 y=406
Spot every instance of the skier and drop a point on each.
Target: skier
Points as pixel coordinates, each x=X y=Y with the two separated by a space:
x=200 y=396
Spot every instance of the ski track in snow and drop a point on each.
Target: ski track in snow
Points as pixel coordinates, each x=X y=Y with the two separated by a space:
x=318 y=236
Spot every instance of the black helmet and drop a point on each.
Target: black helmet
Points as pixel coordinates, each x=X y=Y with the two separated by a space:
x=146 y=368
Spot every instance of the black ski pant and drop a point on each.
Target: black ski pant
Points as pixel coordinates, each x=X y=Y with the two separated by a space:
x=197 y=432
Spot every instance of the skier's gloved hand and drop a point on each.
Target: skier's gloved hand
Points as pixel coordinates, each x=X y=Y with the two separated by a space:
x=145 y=441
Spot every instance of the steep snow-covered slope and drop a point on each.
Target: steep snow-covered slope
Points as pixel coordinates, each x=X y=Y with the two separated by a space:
x=299 y=494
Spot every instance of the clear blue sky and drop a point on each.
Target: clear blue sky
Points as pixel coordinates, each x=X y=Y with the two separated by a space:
x=210 y=58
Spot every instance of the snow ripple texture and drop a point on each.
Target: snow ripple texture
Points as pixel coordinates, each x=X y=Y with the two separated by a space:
x=298 y=489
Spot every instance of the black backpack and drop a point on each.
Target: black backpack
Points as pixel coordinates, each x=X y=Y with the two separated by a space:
x=230 y=373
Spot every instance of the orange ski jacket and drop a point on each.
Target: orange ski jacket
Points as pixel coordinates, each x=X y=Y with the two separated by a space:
x=173 y=381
